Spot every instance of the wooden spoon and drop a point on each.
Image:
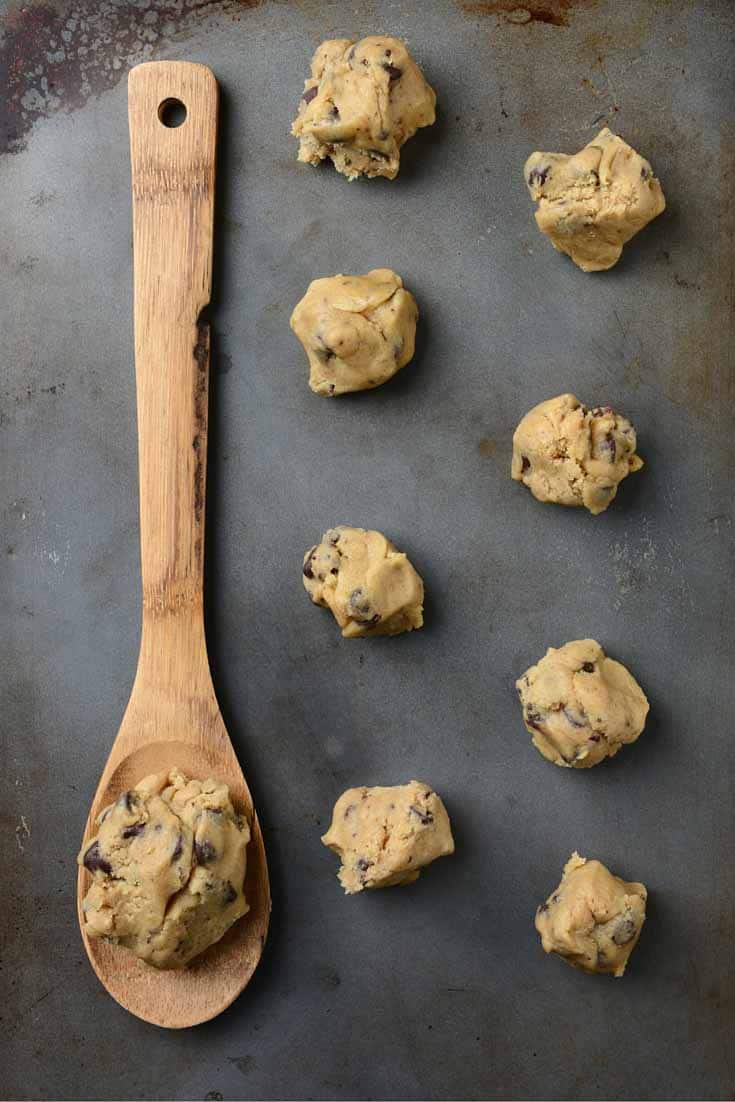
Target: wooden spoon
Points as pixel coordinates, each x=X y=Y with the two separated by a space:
x=173 y=717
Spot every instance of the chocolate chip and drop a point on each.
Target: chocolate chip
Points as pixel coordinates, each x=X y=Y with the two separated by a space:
x=334 y=111
x=595 y=737
x=393 y=71
x=542 y=908
x=93 y=860
x=610 y=446
x=537 y=176
x=134 y=830
x=575 y=719
x=324 y=352
x=588 y=667
x=534 y=719
x=383 y=136
x=331 y=391
x=360 y=609
x=646 y=172
x=127 y=800
x=389 y=53
x=229 y=895
x=525 y=463
x=205 y=852
x=334 y=570
x=354 y=598
x=307 y=571
x=178 y=848
x=363 y=864
x=625 y=931
x=349 y=809
x=426 y=817
x=309 y=94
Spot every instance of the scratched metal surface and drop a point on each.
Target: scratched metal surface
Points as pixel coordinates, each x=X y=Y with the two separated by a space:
x=440 y=991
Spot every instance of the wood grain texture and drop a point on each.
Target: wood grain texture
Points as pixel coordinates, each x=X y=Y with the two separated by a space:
x=173 y=717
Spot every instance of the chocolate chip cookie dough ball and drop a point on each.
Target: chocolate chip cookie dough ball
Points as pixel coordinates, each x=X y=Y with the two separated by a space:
x=168 y=868
x=357 y=331
x=580 y=706
x=361 y=103
x=593 y=919
x=571 y=455
x=385 y=836
x=370 y=586
x=591 y=203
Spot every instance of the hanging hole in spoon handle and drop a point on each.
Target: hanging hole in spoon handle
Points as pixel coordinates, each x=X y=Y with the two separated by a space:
x=172 y=113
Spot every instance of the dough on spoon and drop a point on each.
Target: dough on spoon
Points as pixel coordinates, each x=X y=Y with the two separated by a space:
x=385 y=836
x=591 y=203
x=580 y=706
x=593 y=919
x=370 y=586
x=168 y=867
x=357 y=331
x=571 y=455
x=361 y=103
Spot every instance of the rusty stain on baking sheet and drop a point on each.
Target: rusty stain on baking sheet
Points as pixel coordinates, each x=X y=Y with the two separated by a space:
x=702 y=378
x=555 y=12
x=54 y=56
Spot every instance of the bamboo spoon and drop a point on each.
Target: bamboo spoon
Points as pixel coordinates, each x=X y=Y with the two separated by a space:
x=173 y=717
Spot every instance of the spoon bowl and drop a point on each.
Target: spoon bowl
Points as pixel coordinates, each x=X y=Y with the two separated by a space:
x=184 y=997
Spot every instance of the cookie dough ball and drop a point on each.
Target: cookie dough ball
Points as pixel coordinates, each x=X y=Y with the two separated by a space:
x=357 y=331
x=572 y=455
x=371 y=587
x=168 y=867
x=593 y=919
x=385 y=836
x=361 y=103
x=580 y=706
x=591 y=203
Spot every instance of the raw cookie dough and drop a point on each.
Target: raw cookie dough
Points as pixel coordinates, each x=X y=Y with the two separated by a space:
x=357 y=331
x=593 y=919
x=591 y=203
x=572 y=455
x=360 y=104
x=371 y=587
x=384 y=836
x=580 y=706
x=168 y=863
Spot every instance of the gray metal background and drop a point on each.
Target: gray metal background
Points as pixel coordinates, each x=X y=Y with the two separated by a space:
x=442 y=990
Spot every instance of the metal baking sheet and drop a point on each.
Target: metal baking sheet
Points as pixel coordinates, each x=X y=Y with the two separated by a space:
x=442 y=990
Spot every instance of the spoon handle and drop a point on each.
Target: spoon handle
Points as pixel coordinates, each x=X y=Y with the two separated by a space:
x=173 y=177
